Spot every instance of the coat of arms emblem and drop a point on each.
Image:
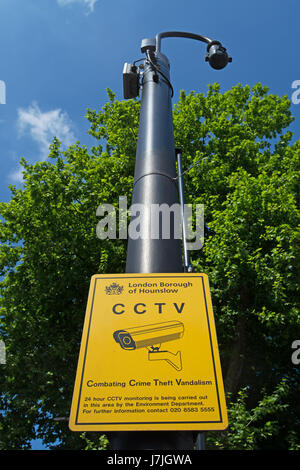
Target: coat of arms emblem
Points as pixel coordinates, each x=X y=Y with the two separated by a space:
x=114 y=289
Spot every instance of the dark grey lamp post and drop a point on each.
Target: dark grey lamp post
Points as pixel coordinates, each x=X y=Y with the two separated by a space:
x=155 y=183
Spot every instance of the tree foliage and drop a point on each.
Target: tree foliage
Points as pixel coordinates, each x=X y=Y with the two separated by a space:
x=245 y=169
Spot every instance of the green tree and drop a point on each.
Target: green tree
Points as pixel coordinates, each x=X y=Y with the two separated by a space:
x=242 y=166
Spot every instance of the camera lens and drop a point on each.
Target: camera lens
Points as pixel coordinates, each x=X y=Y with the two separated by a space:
x=126 y=341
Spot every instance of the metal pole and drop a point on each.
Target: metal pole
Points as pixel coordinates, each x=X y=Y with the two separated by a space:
x=186 y=255
x=154 y=183
x=155 y=175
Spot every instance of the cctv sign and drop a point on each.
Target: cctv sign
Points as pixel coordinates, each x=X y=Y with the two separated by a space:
x=149 y=356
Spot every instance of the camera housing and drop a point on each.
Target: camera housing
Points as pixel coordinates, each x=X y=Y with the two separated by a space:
x=131 y=85
x=217 y=55
x=148 y=335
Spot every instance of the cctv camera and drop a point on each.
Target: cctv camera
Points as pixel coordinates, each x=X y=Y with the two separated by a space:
x=148 y=335
x=151 y=337
x=217 y=55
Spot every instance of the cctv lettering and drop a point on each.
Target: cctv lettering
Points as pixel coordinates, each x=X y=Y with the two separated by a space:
x=141 y=308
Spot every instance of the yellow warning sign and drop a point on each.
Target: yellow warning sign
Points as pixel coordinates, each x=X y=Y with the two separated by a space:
x=149 y=356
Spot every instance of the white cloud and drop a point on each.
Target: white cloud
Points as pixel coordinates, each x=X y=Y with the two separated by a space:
x=89 y=3
x=16 y=176
x=41 y=127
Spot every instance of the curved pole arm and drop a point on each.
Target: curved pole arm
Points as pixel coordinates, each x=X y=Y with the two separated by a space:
x=180 y=34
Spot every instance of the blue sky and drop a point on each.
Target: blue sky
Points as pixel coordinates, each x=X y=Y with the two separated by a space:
x=57 y=57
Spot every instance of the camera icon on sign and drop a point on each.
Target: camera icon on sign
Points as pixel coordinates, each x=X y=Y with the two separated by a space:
x=151 y=337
